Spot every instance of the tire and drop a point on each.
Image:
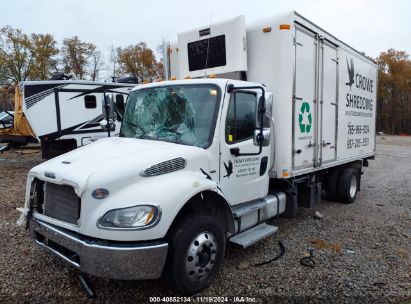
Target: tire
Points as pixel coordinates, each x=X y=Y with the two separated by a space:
x=196 y=253
x=348 y=185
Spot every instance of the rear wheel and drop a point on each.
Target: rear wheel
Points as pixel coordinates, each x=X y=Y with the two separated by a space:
x=196 y=253
x=331 y=182
x=348 y=185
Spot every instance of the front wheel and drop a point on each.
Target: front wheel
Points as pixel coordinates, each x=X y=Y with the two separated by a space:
x=196 y=253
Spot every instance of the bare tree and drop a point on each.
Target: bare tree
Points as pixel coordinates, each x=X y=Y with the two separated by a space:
x=114 y=62
x=96 y=65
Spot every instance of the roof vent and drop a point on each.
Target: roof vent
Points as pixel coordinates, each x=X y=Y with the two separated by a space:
x=165 y=167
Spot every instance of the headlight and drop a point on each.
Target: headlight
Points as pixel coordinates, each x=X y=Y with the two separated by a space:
x=129 y=218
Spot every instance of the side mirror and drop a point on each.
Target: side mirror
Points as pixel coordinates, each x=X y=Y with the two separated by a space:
x=261 y=109
x=120 y=106
x=108 y=106
x=262 y=137
x=107 y=126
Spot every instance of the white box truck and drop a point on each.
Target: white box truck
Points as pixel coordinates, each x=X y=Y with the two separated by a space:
x=200 y=162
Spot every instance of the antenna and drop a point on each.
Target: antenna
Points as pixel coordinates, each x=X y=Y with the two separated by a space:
x=208 y=47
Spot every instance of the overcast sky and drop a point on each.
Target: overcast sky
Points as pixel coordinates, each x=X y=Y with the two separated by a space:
x=371 y=26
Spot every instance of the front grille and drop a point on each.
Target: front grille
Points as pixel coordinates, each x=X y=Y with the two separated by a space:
x=61 y=202
x=165 y=167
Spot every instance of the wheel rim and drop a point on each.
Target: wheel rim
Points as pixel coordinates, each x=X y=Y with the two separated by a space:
x=353 y=186
x=201 y=255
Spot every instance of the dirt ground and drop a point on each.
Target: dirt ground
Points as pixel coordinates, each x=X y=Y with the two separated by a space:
x=361 y=251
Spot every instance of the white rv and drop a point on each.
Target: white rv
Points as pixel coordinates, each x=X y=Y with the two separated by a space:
x=66 y=114
x=6 y=119
x=200 y=162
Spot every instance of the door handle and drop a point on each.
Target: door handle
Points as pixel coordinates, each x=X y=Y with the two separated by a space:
x=310 y=145
x=235 y=151
x=326 y=144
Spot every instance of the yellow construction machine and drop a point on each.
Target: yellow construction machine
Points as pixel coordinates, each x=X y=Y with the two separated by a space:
x=21 y=132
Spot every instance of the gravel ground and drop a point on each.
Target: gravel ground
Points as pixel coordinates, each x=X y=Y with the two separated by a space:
x=362 y=251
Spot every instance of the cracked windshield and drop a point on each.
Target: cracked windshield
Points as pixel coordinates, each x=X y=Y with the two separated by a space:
x=178 y=114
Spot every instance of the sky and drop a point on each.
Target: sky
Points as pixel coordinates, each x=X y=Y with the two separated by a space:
x=370 y=26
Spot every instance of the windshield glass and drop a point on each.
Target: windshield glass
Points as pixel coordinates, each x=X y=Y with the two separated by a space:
x=184 y=114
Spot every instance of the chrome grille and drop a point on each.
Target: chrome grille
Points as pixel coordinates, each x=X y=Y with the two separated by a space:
x=61 y=202
x=165 y=167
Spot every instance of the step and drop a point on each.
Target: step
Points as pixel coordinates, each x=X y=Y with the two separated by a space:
x=253 y=235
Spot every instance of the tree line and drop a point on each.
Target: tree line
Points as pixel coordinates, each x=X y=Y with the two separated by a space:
x=394 y=92
x=37 y=57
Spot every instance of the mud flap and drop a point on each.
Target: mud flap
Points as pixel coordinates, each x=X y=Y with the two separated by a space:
x=291 y=205
x=309 y=194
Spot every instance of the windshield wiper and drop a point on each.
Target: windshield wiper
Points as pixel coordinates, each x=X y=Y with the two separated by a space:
x=146 y=136
x=164 y=137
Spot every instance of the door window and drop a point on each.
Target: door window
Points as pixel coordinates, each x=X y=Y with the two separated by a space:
x=241 y=117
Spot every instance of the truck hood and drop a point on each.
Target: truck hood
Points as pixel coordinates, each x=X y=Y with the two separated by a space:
x=115 y=160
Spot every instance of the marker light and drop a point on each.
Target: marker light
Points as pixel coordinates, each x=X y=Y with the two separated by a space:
x=213 y=92
x=285 y=26
x=173 y=78
x=267 y=29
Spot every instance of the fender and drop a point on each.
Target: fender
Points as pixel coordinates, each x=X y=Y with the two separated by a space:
x=211 y=203
x=169 y=192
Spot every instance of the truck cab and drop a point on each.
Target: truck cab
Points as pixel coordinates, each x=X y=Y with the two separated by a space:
x=189 y=151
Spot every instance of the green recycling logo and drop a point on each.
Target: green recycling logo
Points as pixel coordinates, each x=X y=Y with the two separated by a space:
x=304 y=118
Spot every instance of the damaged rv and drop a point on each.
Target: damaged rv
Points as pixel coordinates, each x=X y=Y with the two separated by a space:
x=66 y=114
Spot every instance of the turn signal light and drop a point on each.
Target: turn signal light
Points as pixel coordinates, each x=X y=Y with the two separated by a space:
x=150 y=216
x=285 y=26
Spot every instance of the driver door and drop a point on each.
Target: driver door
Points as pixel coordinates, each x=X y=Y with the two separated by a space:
x=242 y=178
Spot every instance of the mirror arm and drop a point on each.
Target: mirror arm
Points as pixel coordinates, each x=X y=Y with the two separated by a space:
x=107 y=108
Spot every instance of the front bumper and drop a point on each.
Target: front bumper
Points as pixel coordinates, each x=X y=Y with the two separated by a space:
x=123 y=261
